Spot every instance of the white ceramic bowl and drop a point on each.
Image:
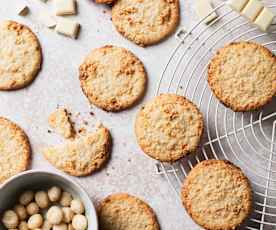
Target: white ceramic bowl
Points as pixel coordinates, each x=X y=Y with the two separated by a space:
x=34 y=180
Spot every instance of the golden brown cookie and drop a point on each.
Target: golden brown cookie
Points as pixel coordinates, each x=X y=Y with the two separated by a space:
x=113 y=78
x=15 y=150
x=217 y=195
x=20 y=55
x=169 y=127
x=81 y=156
x=242 y=76
x=125 y=212
x=60 y=121
x=146 y=22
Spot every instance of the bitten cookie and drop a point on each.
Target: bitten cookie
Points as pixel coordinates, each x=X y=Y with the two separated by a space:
x=169 y=127
x=60 y=121
x=15 y=150
x=126 y=212
x=20 y=55
x=83 y=155
x=146 y=22
x=217 y=195
x=112 y=78
x=242 y=75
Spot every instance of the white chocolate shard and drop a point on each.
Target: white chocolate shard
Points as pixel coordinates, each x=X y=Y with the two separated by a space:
x=252 y=9
x=65 y=7
x=47 y=20
x=265 y=19
x=23 y=10
x=237 y=5
x=203 y=9
x=68 y=27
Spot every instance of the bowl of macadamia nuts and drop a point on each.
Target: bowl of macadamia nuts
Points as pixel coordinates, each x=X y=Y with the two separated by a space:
x=38 y=200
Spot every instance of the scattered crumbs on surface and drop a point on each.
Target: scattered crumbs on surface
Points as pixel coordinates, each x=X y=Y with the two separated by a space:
x=82 y=130
x=91 y=113
x=49 y=131
x=113 y=167
x=107 y=174
x=57 y=106
x=104 y=11
x=181 y=87
x=85 y=122
x=78 y=114
x=124 y=144
x=129 y=160
x=110 y=19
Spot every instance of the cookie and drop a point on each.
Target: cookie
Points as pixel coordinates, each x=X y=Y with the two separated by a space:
x=60 y=122
x=15 y=150
x=146 y=22
x=169 y=127
x=125 y=212
x=20 y=56
x=242 y=76
x=105 y=1
x=112 y=78
x=217 y=195
x=81 y=156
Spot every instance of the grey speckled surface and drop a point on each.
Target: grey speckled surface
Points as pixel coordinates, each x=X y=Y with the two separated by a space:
x=129 y=170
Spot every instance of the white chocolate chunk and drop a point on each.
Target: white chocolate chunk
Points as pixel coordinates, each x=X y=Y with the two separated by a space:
x=47 y=20
x=65 y=7
x=237 y=5
x=67 y=27
x=23 y=10
x=265 y=18
x=203 y=9
x=252 y=9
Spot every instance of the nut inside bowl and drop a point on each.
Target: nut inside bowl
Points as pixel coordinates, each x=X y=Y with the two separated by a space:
x=41 y=180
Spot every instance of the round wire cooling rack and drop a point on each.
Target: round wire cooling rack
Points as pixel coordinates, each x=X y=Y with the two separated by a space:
x=246 y=139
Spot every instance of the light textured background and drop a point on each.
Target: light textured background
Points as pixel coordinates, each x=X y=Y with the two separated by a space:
x=129 y=170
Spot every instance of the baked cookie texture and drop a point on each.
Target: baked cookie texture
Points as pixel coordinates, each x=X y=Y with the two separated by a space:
x=113 y=78
x=169 y=127
x=125 y=212
x=146 y=22
x=242 y=76
x=81 y=156
x=105 y=1
x=59 y=120
x=15 y=149
x=20 y=55
x=217 y=195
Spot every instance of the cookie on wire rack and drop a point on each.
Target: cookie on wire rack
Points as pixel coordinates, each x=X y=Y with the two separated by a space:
x=20 y=55
x=169 y=127
x=146 y=22
x=242 y=75
x=113 y=78
x=217 y=195
x=125 y=212
x=15 y=149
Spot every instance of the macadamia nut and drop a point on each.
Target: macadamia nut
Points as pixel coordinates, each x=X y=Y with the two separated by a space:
x=66 y=199
x=20 y=211
x=26 y=197
x=35 y=221
x=23 y=226
x=67 y=215
x=10 y=219
x=54 y=194
x=32 y=208
x=47 y=225
x=79 y=222
x=77 y=206
x=60 y=227
x=54 y=215
x=42 y=199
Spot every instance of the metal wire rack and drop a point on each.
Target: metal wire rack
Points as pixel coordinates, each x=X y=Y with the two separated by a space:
x=246 y=139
